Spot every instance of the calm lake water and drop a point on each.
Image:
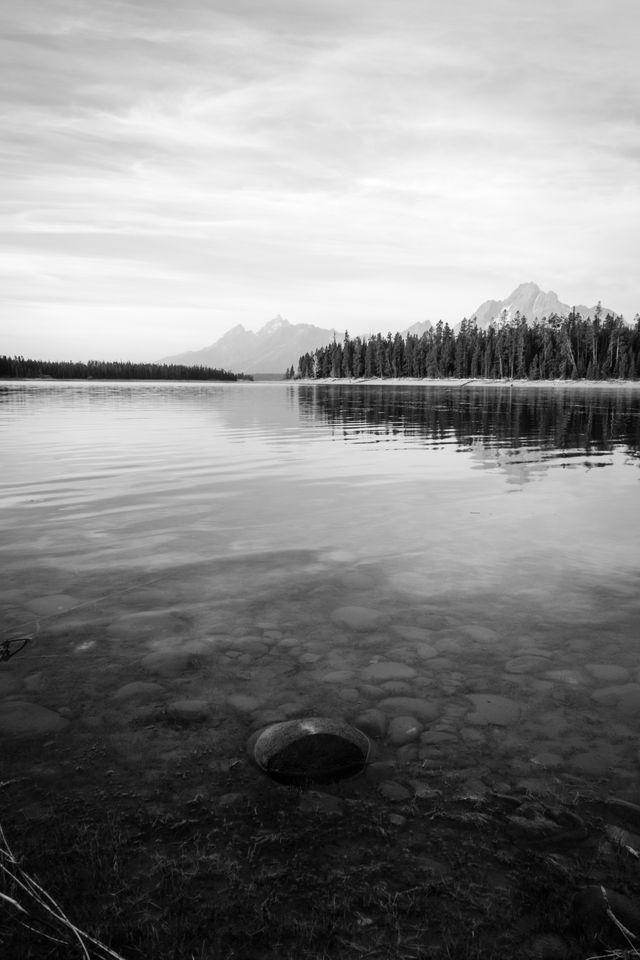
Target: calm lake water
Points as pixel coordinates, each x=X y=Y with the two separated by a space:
x=456 y=568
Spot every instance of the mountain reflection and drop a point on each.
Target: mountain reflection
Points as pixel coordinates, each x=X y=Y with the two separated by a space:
x=560 y=420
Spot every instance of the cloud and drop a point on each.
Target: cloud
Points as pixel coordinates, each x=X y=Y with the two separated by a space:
x=321 y=160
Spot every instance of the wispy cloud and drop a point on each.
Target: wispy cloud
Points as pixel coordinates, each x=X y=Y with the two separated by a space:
x=361 y=164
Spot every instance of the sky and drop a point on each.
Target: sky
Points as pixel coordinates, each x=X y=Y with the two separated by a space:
x=170 y=170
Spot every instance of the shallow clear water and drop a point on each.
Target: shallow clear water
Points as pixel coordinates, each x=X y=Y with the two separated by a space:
x=194 y=561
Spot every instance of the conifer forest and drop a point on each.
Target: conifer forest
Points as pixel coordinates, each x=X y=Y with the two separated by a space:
x=554 y=348
x=16 y=367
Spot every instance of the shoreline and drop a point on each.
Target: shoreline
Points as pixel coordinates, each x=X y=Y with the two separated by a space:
x=474 y=382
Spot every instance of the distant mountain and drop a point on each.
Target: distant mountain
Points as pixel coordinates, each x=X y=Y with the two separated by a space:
x=417 y=329
x=272 y=349
x=532 y=303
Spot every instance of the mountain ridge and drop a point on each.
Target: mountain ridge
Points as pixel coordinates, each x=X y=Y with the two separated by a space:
x=531 y=302
x=278 y=344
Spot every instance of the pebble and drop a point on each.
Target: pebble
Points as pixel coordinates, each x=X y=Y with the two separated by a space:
x=388 y=670
x=404 y=729
x=168 y=663
x=243 y=702
x=189 y=711
x=392 y=790
x=356 y=618
x=424 y=710
x=409 y=632
x=608 y=672
x=526 y=664
x=425 y=651
x=372 y=722
x=138 y=690
x=626 y=697
x=396 y=688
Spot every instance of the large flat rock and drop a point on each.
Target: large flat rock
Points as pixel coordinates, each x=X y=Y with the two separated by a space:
x=424 y=710
x=21 y=719
x=356 y=618
x=388 y=670
x=490 y=708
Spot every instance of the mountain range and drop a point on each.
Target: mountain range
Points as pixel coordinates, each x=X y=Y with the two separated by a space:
x=272 y=349
x=279 y=344
x=531 y=302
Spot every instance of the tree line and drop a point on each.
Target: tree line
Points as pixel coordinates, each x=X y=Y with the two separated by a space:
x=554 y=348
x=15 y=367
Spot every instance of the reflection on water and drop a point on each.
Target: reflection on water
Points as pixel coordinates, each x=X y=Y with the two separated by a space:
x=442 y=566
x=558 y=420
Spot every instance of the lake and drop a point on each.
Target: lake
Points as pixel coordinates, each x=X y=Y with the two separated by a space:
x=454 y=569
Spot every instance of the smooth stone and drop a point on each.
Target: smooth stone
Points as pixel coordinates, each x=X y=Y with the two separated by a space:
x=410 y=633
x=448 y=645
x=250 y=645
x=608 y=672
x=471 y=735
x=425 y=651
x=626 y=697
x=168 y=664
x=263 y=718
x=403 y=730
x=573 y=677
x=396 y=688
x=391 y=790
x=22 y=719
x=492 y=709
x=525 y=664
x=349 y=693
x=407 y=753
x=479 y=634
x=54 y=603
x=243 y=702
x=356 y=618
x=337 y=676
x=424 y=710
x=372 y=722
x=291 y=708
x=388 y=670
x=380 y=770
x=138 y=690
x=191 y=711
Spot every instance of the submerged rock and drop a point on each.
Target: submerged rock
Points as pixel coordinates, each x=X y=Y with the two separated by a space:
x=388 y=670
x=404 y=730
x=356 y=618
x=139 y=690
x=492 y=709
x=423 y=710
x=310 y=750
x=372 y=722
x=21 y=719
x=189 y=711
